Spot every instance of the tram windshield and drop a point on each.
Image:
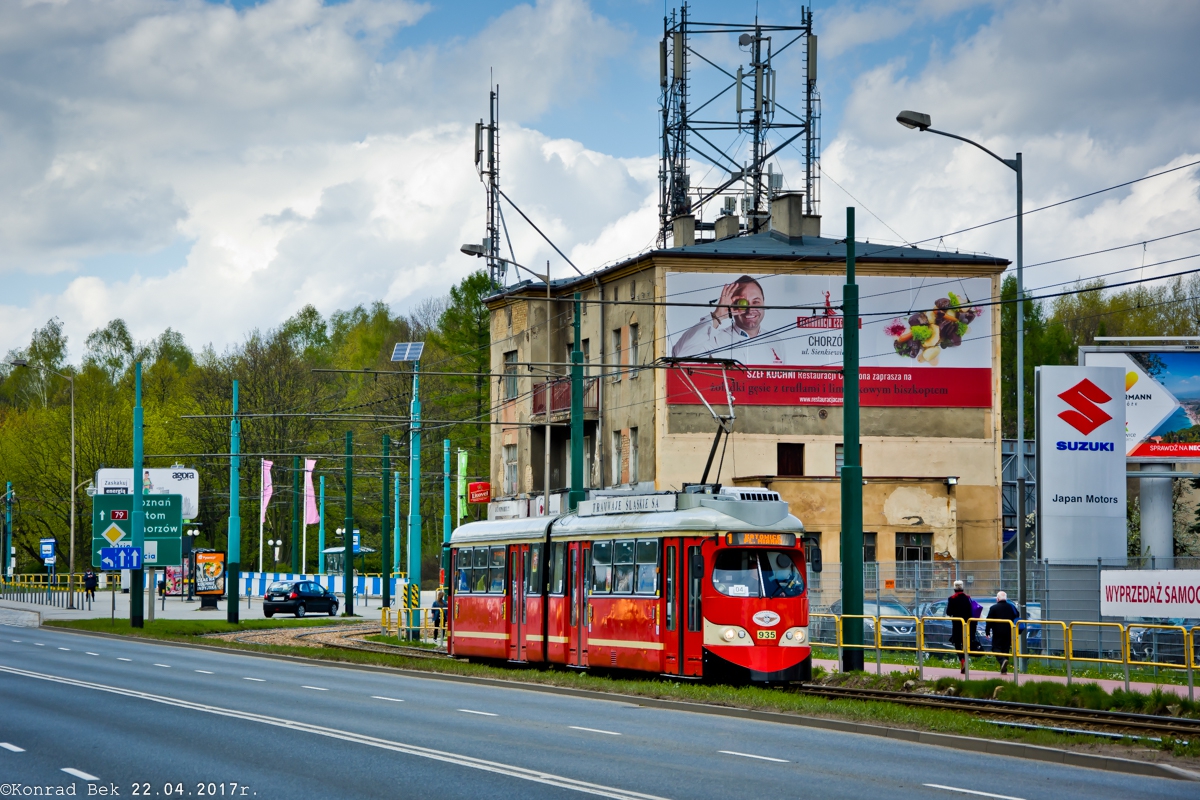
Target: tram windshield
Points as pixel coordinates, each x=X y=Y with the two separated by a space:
x=756 y=573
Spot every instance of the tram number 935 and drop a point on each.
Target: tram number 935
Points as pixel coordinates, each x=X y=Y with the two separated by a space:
x=766 y=634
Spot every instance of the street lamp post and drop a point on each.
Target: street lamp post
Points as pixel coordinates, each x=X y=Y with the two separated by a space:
x=922 y=122
x=21 y=362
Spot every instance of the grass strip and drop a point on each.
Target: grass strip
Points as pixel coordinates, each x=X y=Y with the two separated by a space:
x=759 y=698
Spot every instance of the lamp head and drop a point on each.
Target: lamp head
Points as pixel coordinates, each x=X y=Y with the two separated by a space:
x=19 y=362
x=472 y=250
x=914 y=119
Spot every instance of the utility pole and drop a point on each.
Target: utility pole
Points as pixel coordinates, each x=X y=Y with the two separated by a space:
x=577 y=492
x=321 y=533
x=349 y=537
x=385 y=555
x=852 y=533
x=1022 y=568
x=137 y=522
x=74 y=488
x=296 y=515
x=447 y=527
x=396 y=522
x=6 y=539
x=414 y=490
x=233 y=565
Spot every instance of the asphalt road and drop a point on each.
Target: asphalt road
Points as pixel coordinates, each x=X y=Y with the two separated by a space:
x=155 y=720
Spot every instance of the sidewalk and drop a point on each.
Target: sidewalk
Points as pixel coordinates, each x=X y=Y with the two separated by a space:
x=933 y=673
x=176 y=608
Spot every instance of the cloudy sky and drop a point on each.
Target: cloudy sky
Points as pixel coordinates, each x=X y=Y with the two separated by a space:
x=214 y=166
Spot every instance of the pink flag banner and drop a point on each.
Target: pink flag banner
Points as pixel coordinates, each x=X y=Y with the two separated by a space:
x=311 y=515
x=267 y=490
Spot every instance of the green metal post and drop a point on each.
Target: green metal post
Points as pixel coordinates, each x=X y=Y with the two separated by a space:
x=6 y=540
x=137 y=522
x=414 y=486
x=447 y=527
x=576 y=494
x=296 y=512
x=396 y=523
x=348 y=573
x=234 y=559
x=462 y=486
x=385 y=555
x=852 y=533
x=321 y=533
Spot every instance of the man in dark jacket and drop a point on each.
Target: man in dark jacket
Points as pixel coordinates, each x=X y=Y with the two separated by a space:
x=89 y=585
x=959 y=608
x=1001 y=632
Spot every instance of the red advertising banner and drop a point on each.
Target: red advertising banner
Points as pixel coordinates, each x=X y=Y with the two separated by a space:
x=963 y=387
x=479 y=492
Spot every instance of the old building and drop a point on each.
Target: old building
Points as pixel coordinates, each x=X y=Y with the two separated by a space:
x=930 y=380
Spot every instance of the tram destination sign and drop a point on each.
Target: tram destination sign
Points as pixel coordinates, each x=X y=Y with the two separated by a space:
x=632 y=504
x=751 y=539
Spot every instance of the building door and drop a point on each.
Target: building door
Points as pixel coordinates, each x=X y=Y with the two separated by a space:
x=691 y=637
x=672 y=630
x=516 y=602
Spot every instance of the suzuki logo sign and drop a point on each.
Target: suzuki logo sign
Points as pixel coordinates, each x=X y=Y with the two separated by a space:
x=1085 y=415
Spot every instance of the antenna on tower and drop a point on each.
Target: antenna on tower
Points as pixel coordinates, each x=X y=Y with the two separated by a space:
x=737 y=147
x=487 y=162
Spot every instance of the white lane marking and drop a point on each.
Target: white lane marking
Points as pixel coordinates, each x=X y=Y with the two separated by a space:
x=166 y=666
x=12 y=748
x=381 y=697
x=18 y=641
x=65 y=648
x=592 y=730
x=203 y=671
x=78 y=773
x=90 y=653
x=535 y=776
x=480 y=713
x=972 y=791
x=124 y=659
x=257 y=680
x=38 y=644
x=751 y=755
x=315 y=688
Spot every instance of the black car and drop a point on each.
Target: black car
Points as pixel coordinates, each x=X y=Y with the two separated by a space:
x=893 y=632
x=299 y=598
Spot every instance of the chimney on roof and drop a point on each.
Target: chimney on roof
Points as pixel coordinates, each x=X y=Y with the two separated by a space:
x=788 y=217
x=727 y=226
x=685 y=230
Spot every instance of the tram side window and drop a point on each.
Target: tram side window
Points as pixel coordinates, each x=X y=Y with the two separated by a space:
x=623 y=566
x=479 y=581
x=497 y=572
x=647 y=566
x=558 y=570
x=463 y=563
x=695 y=576
x=669 y=588
x=602 y=567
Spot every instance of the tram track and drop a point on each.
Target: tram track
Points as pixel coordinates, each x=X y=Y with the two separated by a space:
x=1083 y=719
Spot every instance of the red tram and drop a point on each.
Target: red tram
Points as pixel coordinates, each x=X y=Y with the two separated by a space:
x=704 y=585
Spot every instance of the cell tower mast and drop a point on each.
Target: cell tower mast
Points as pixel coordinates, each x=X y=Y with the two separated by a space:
x=489 y=172
x=740 y=146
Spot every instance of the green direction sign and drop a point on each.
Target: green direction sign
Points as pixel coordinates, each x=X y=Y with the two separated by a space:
x=112 y=518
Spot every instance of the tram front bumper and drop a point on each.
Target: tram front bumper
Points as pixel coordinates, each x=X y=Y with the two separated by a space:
x=758 y=664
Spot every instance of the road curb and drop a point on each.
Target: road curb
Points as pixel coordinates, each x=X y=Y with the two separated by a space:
x=991 y=746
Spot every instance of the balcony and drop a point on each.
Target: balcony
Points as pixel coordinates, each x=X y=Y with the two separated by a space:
x=560 y=398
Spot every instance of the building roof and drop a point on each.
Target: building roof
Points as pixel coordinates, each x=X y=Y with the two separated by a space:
x=773 y=245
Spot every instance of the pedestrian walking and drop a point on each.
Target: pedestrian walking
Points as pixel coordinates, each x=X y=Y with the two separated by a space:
x=960 y=607
x=89 y=585
x=439 y=614
x=1003 y=612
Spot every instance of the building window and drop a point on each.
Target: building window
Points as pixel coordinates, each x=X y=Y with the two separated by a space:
x=616 y=349
x=914 y=547
x=839 y=457
x=586 y=347
x=789 y=459
x=633 y=455
x=633 y=290
x=633 y=348
x=870 y=565
x=510 y=375
x=616 y=458
x=510 y=469
x=508 y=316
x=869 y=548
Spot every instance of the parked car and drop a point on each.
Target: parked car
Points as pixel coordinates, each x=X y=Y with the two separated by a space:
x=299 y=598
x=1158 y=645
x=892 y=632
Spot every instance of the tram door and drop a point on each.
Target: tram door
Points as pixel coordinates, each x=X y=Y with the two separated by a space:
x=672 y=636
x=691 y=607
x=516 y=602
x=579 y=561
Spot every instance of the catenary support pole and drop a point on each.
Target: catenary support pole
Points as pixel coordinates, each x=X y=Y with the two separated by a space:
x=577 y=493
x=447 y=527
x=349 y=537
x=233 y=560
x=137 y=518
x=296 y=512
x=71 y=558
x=321 y=532
x=7 y=538
x=414 y=486
x=385 y=523
x=852 y=534
x=1022 y=568
x=396 y=522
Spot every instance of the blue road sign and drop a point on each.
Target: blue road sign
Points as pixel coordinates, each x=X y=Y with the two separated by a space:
x=120 y=557
x=47 y=548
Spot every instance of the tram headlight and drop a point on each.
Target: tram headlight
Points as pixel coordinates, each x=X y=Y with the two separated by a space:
x=795 y=637
x=728 y=634
x=720 y=634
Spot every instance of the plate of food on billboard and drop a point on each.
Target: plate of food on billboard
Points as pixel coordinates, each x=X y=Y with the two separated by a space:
x=923 y=341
